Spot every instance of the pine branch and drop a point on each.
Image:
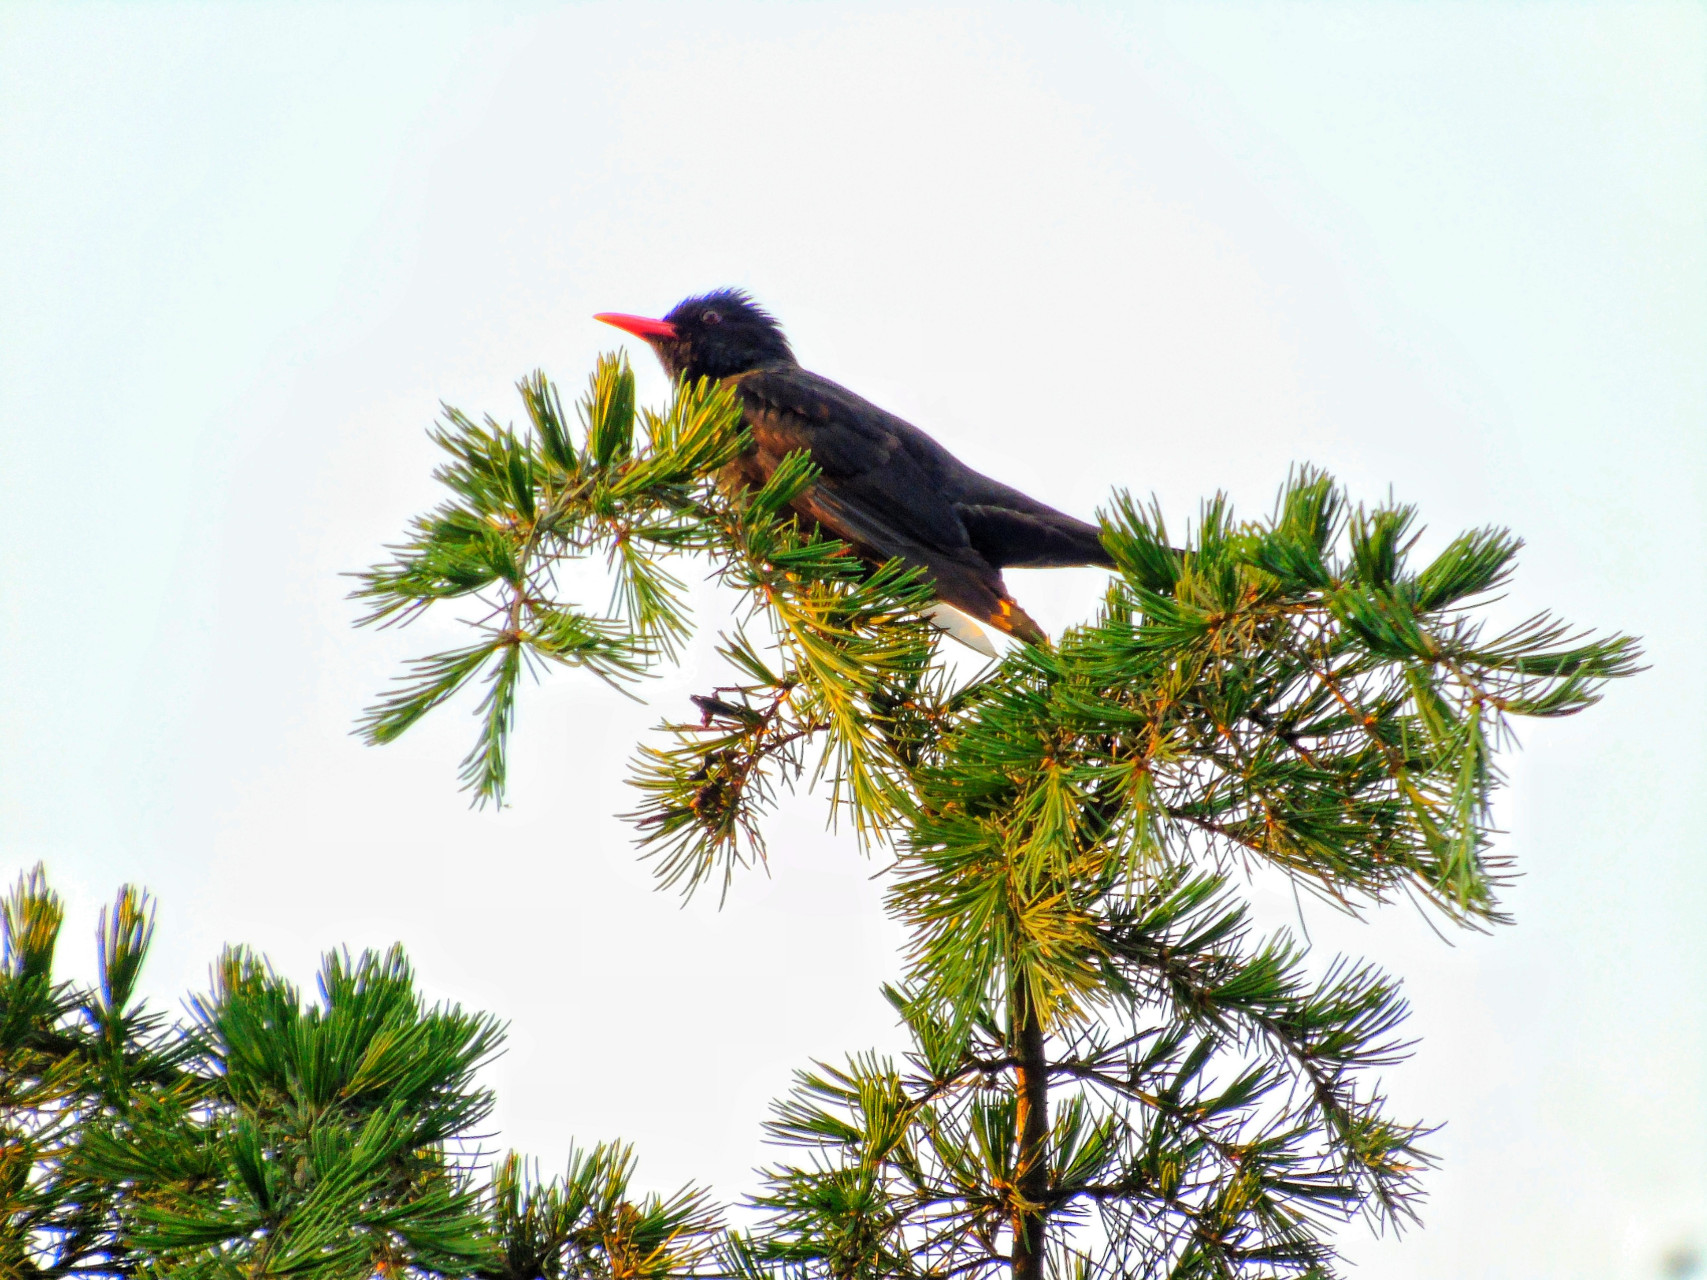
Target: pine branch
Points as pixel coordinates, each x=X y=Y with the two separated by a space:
x=1111 y=1074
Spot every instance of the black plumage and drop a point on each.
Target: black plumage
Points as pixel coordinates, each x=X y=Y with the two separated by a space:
x=885 y=487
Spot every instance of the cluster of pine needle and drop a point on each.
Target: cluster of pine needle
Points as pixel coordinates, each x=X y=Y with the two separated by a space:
x=268 y=1137
x=1114 y=1073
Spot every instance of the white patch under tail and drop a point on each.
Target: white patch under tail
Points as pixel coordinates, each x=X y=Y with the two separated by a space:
x=947 y=618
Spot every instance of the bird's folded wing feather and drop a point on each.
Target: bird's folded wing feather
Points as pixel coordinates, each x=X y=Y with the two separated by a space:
x=902 y=486
x=877 y=486
x=891 y=490
x=961 y=576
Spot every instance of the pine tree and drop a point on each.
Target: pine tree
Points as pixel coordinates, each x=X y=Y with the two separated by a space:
x=1113 y=1072
x=266 y=1138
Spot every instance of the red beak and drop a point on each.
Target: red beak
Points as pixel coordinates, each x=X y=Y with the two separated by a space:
x=639 y=326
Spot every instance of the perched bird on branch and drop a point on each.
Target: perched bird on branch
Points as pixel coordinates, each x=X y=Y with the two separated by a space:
x=885 y=487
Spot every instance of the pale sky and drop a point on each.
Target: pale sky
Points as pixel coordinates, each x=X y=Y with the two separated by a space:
x=1455 y=251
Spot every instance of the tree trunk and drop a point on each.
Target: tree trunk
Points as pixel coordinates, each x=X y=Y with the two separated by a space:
x=1031 y=1170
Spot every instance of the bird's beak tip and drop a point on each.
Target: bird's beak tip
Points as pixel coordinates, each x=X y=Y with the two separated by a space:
x=639 y=326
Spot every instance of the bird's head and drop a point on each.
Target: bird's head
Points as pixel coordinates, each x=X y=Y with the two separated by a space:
x=715 y=335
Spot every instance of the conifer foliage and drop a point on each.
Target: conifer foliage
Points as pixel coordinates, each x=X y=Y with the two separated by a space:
x=266 y=1137
x=1113 y=1071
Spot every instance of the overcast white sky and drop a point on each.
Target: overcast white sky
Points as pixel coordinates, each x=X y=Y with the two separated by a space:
x=1455 y=251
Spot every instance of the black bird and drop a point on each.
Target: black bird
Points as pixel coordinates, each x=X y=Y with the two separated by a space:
x=885 y=487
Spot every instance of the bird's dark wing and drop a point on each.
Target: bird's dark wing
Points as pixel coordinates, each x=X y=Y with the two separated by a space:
x=884 y=485
x=887 y=477
x=893 y=470
x=960 y=576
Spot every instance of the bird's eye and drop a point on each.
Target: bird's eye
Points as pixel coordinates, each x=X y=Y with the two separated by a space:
x=711 y=317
